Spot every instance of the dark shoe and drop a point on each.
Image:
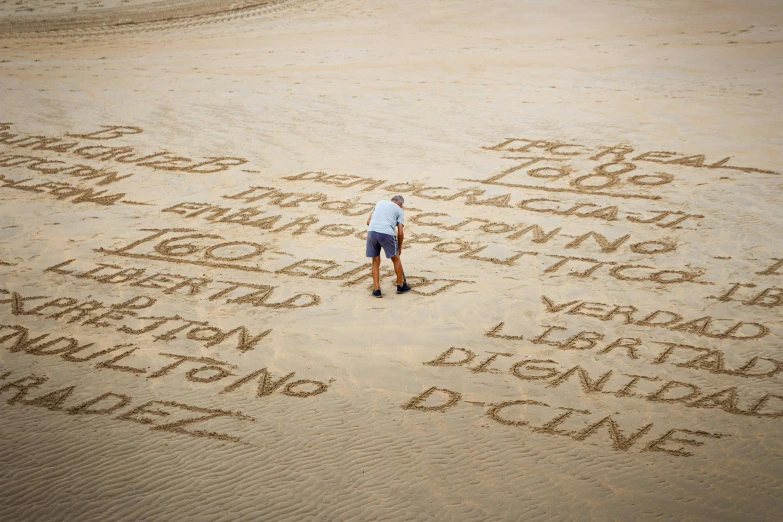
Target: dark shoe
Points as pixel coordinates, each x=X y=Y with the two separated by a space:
x=377 y=293
x=404 y=287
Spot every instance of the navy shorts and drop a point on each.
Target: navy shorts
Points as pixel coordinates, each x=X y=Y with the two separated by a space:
x=376 y=240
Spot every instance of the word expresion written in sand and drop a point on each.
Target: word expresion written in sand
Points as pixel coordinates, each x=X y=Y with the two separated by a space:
x=92 y=313
x=719 y=381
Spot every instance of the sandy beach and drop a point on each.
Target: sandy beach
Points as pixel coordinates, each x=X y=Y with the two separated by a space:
x=592 y=202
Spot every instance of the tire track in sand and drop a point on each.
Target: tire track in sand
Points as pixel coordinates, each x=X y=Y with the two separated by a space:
x=117 y=21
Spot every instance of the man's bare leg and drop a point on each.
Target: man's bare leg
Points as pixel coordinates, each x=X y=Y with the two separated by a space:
x=376 y=272
x=397 y=268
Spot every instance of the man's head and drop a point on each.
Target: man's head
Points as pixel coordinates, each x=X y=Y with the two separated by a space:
x=399 y=200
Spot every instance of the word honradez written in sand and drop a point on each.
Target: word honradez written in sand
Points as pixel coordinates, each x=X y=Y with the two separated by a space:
x=160 y=415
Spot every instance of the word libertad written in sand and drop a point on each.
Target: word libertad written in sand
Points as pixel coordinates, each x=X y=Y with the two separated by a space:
x=613 y=185
x=741 y=386
x=576 y=422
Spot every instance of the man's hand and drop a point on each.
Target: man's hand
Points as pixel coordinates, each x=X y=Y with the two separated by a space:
x=400 y=237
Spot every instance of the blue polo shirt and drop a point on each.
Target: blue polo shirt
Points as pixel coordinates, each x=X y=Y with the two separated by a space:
x=385 y=217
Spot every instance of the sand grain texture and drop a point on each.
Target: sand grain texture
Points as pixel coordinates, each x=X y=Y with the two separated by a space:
x=592 y=203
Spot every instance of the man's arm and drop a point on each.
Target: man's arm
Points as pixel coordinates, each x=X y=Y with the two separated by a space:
x=368 y=219
x=400 y=237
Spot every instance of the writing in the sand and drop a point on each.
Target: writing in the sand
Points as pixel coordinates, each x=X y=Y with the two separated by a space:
x=765 y=293
x=127 y=357
x=634 y=369
x=178 y=246
x=563 y=415
x=511 y=233
x=159 y=415
x=66 y=191
x=617 y=153
x=475 y=197
x=83 y=145
x=129 y=316
x=577 y=424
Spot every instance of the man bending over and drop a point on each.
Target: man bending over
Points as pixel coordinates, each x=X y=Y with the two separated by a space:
x=385 y=231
